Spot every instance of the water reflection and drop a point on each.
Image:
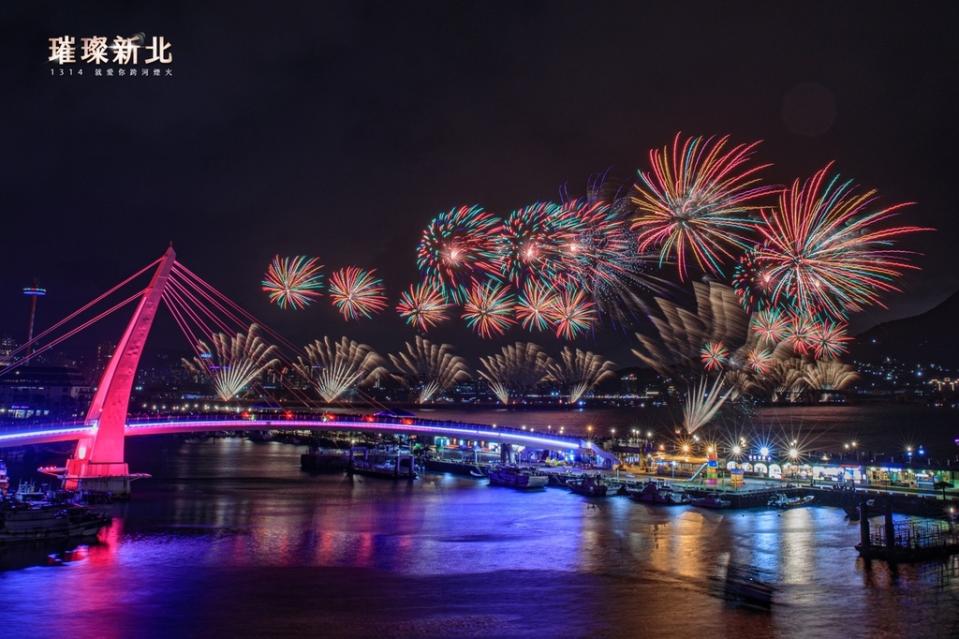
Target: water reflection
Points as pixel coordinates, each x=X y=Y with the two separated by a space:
x=243 y=544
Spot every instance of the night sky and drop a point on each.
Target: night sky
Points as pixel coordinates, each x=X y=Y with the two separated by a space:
x=340 y=129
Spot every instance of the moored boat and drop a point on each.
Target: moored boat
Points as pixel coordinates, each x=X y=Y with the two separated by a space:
x=712 y=500
x=588 y=486
x=26 y=522
x=781 y=500
x=515 y=477
x=660 y=493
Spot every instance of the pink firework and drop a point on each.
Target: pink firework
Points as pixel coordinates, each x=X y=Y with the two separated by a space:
x=488 y=308
x=699 y=199
x=532 y=242
x=572 y=313
x=356 y=292
x=829 y=339
x=423 y=306
x=714 y=355
x=533 y=305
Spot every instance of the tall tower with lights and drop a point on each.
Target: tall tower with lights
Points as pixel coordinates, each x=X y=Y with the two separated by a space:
x=34 y=293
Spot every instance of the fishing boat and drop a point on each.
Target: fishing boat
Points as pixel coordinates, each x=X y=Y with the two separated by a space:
x=391 y=462
x=660 y=493
x=588 y=486
x=780 y=500
x=712 y=500
x=30 y=522
x=515 y=477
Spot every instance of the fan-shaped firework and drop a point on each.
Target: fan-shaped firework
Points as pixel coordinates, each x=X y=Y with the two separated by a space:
x=293 y=282
x=714 y=355
x=422 y=306
x=334 y=368
x=532 y=242
x=674 y=349
x=233 y=362
x=829 y=339
x=698 y=199
x=572 y=313
x=601 y=256
x=534 y=304
x=356 y=292
x=822 y=250
x=516 y=369
x=702 y=403
x=828 y=375
x=770 y=325
x=488 y=309
x=455 y=246
x=432 y=367
x=579 y=371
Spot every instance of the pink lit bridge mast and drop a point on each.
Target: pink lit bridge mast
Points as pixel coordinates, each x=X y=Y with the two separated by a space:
x=98 y=464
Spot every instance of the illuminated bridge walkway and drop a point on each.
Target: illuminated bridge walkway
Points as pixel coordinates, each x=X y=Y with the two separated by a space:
x=330 y=422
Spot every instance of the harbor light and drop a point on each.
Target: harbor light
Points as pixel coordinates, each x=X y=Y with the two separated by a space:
x=685 y=448
x=793 y=453
x=737 y=450
x=764 y=451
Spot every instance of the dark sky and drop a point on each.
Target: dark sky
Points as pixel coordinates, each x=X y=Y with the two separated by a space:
x=340 y=129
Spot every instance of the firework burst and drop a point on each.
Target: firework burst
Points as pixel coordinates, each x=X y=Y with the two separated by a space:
x=760 y=360
x=357 y=293
x=714 y=355
x=233 y=362
x=572 y=313
x=770 y=326
x=534 y=304
x=698 y=199
x=600 y=254
x=532 y=242
x=431 y=367
x=822 y=249
x=752 y=281
x=293 y=282
x=802 y=331
x=422 y=306
x=488 y=308
x=829 y=339
x=334 y=368
x=455 y=246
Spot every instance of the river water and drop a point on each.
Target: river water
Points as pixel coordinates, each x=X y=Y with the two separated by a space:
x=230 y=538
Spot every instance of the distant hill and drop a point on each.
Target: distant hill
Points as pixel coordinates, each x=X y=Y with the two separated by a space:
x=928 y=337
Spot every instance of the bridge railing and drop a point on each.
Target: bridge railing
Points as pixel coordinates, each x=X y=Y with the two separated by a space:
x=278 y=418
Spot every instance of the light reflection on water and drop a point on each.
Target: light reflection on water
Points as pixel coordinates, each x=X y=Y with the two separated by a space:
x=244 y=544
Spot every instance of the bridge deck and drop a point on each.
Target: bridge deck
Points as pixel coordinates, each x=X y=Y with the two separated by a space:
x=405 y=425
